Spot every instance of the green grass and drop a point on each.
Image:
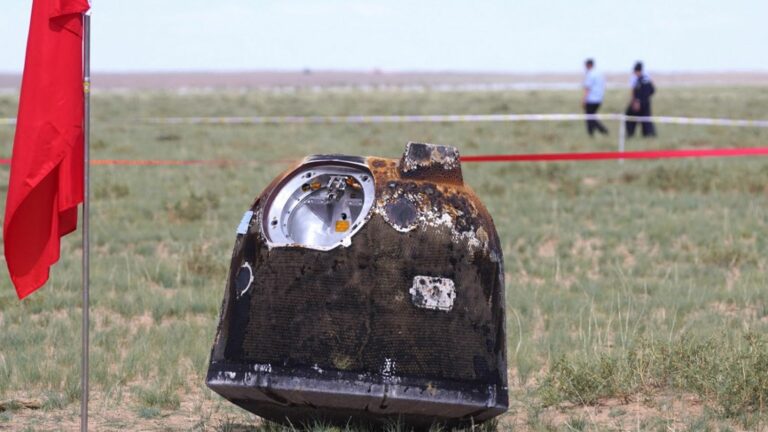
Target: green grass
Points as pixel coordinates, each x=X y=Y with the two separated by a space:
x=624 y=281
x=730 y=375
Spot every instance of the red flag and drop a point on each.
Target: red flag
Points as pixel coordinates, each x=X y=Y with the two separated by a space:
x=46 y=182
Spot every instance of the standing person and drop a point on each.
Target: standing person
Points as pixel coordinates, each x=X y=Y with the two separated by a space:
x=594 y=90
x=640 y=104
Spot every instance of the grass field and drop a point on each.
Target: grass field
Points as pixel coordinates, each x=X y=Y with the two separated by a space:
x=637 y=293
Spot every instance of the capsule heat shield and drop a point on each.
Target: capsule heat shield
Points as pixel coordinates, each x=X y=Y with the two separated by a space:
x=375 y=292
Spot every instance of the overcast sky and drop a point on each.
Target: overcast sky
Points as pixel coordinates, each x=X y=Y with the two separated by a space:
x=488 y=35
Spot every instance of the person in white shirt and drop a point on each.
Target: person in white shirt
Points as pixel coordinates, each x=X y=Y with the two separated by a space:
x=594 y=90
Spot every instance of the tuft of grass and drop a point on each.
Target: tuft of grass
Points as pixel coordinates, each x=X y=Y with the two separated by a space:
x=109 y=190
x=54 y=401
x=194 y=207
x=576 y=424
x=729 y=377
x=581 y=381
x=148 y=412
x=163 y=396
x=202 y=263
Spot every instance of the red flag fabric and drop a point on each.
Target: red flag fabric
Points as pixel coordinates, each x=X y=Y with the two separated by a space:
x=46 y=181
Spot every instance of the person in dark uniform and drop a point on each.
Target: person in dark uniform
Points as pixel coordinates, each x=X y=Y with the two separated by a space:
x=594 y=90
x=640 y=105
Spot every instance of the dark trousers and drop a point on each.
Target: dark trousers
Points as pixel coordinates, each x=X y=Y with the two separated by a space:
x=645 y=111
x=591 y=108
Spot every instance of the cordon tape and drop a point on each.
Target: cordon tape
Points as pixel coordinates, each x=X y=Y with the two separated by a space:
x=441 y=118
x=450 y=118
x=459 y=118
x=530 y=157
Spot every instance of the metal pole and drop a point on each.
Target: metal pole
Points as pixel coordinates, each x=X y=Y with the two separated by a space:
x=86 y=214
x=622 y=134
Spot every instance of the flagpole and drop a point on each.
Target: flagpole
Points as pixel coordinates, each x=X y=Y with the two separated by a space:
x=86 y=216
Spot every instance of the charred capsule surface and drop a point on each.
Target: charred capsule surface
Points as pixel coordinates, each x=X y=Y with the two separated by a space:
x=365 y=288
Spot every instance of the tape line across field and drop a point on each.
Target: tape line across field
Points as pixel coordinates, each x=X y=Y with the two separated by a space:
x=441 y=118
x=468 y=118
x=451 y=118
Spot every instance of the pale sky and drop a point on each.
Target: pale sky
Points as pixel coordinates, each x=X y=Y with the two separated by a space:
x=489 y=35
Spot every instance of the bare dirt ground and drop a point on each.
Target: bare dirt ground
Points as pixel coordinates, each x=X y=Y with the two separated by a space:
x=380 y=79
x=196 y=413
x=672 y=412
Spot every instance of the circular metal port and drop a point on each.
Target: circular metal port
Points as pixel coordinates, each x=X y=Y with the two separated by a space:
x=319 y=206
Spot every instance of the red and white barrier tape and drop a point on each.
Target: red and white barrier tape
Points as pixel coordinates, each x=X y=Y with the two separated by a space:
x=645 y=154
x=450 y=118
x=439 y=118
x=531 y=157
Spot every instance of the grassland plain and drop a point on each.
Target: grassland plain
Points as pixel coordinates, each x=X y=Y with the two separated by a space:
x=637 y=293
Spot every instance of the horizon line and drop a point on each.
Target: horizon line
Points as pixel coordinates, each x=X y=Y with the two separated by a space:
x=381 y=71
